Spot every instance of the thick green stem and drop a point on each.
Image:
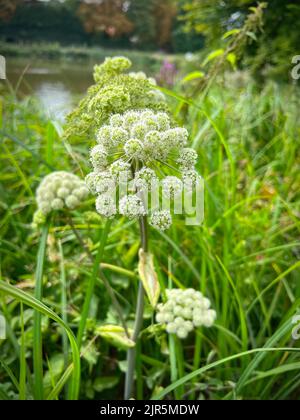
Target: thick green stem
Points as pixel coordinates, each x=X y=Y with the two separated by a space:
x=92 y=281
x=131 y=354
x=37 y=319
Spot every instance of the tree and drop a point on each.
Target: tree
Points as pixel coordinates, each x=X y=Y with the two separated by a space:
x=7 y=9
x=107 y=16
x=153 y=22
x=164 y=13
x=276 y=46
x=141 y=13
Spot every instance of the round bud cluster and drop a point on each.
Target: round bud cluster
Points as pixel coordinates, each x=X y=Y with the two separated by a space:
x=111 y=65
x=60 y=190
x=185 y=310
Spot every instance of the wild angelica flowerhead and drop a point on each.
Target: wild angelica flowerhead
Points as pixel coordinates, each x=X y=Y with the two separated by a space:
x=60 y=190
x=185 y=310
x=143 y=136
x=141 y=146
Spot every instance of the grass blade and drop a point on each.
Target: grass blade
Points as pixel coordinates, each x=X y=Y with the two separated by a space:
x=22 y=385
x=37 y=328
x=206 y=368
x=103 y=234
x=43 y=309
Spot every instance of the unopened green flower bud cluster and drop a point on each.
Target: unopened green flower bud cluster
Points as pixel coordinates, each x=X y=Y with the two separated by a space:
x=184 y=311
x=140 y=75
x=140 y=145
x=60 y=190
x=116 y=91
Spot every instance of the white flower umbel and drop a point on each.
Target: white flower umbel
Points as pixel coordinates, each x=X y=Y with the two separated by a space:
x=106 y=206
x=132 y=206
x=191 y=178
x=99 y=157
x=185 y=310
x=145 y=178
x=119 y=168
x=161 y=220
x=145 y=135
x=60 y=190
x=187 y=159
x=104 y=182
x=172 y=186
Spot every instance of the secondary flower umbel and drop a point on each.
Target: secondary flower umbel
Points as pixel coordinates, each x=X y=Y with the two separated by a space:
x=184 y=311
x=60 y=190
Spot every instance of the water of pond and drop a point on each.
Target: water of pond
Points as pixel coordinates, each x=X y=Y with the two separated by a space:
x=57 y=84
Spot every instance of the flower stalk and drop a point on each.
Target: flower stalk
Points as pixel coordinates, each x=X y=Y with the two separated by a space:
x=131 y=353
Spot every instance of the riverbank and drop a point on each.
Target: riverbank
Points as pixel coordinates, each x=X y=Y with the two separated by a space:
x=56 y=51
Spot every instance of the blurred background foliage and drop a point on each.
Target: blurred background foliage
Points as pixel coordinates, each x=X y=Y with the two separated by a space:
x=174 y=26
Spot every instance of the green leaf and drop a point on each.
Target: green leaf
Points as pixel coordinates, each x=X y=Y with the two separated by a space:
x=22 y=386
x=232 y=59
x=56 y=368
x=192 y=76
x=251 y=35
x=230 y=33
x=106 y=382
x=37 y=320
x=213 y=55
x=149 y=277
x=281 y=332
x=116 y=336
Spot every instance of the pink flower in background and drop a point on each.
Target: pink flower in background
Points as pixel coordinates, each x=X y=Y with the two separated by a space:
x=167 y=74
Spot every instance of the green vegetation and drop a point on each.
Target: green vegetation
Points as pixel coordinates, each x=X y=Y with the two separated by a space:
x=245 y=257
x=79 y=324
x=80 y=53
x=146 y=25
x=279 y=38
x=176 y=26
